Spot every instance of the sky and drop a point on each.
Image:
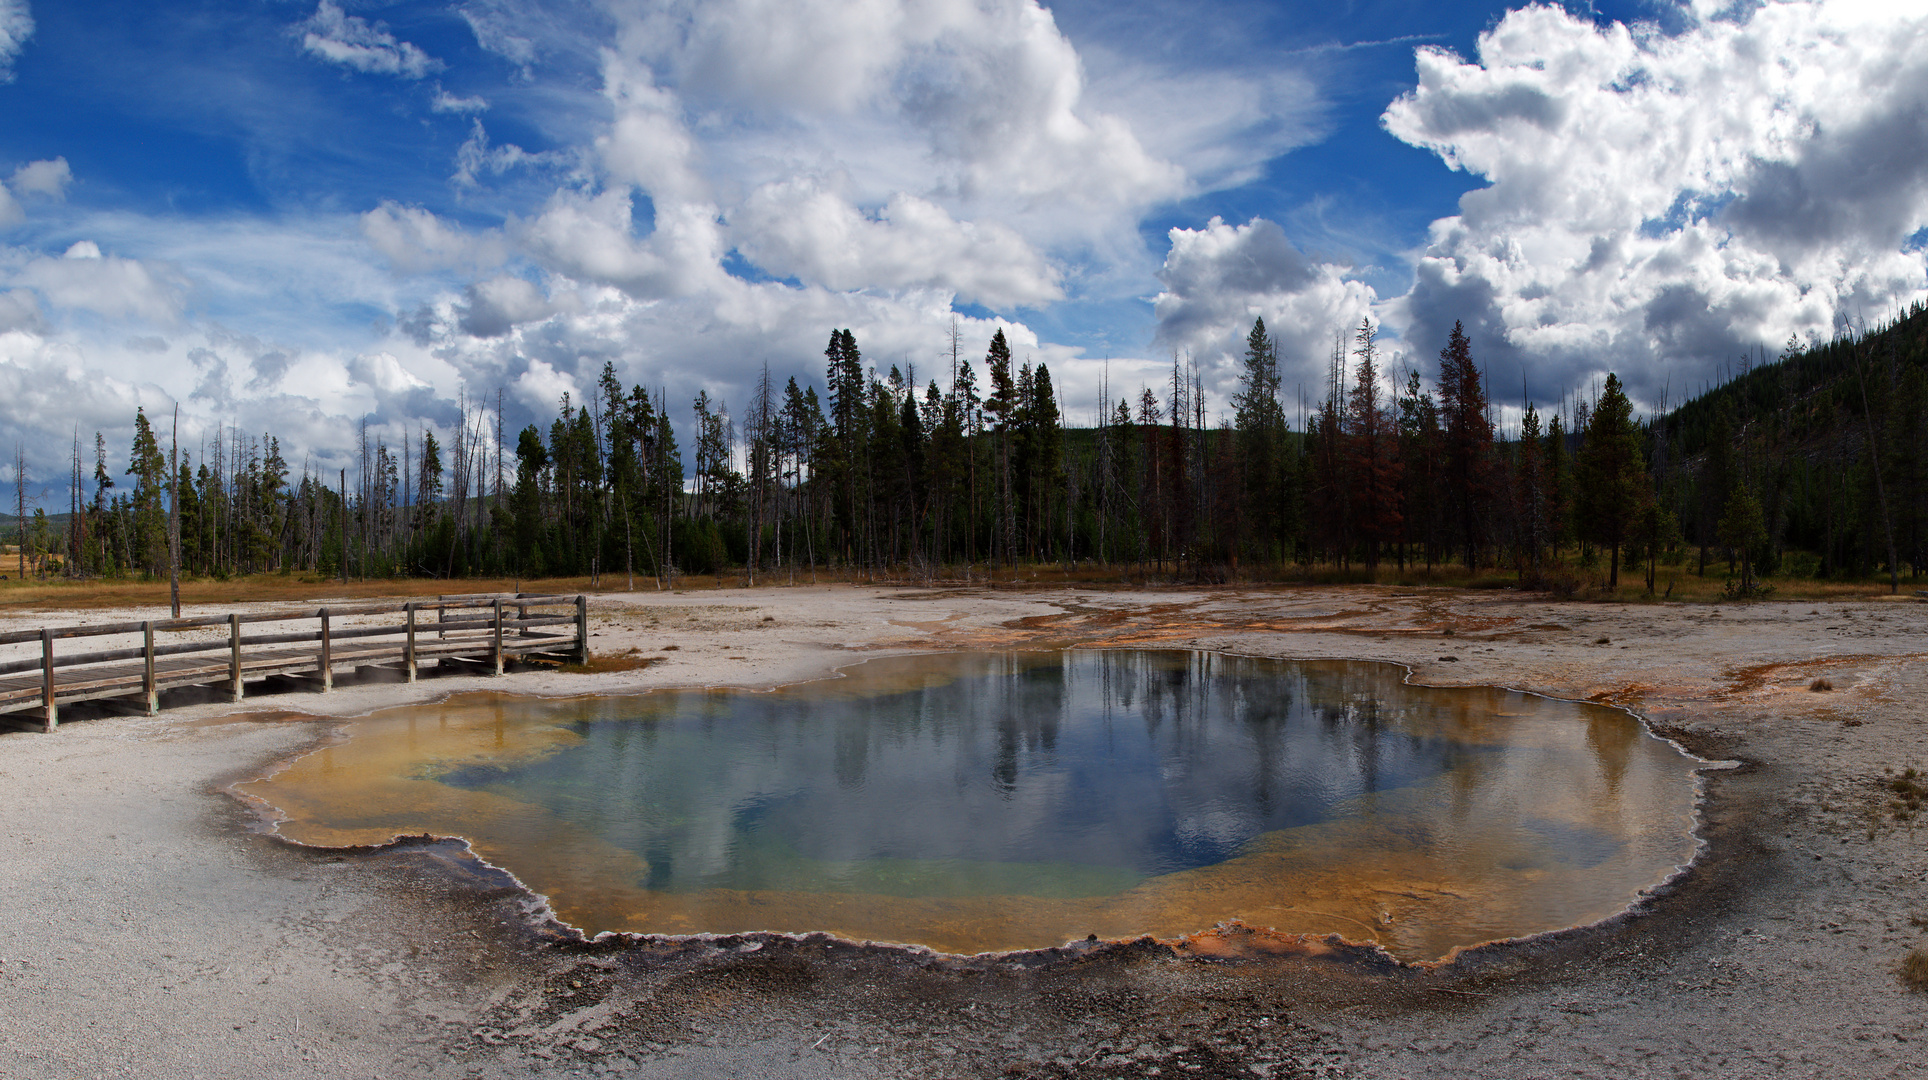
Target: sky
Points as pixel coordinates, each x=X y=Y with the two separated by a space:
x=291 y=217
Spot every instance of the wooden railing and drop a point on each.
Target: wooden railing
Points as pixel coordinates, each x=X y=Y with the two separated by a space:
x=478 y=631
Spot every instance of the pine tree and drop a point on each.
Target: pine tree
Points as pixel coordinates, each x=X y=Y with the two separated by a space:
x=1530 y=490
x=1559 y=486
x=1419 y=452
x=1259 y=419
x=1469 y=442
x=1612 y=479
x=1372 y=451
x=148 y=466
x=1002 y=407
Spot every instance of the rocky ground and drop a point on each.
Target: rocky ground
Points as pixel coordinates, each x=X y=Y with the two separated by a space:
x=154 y=928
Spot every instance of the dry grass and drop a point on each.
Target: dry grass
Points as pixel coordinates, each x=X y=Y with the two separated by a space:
x=1913 y=968
x=1909 y=792
x=605 y=665
x=1675 y=584
x=61 y=595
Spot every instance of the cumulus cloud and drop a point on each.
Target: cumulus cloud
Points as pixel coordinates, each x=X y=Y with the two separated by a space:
x=414 y=240
x=1661 y=202
x=48 y=178
x=20 y=311
x=715 y=339
x=979 y=102
x=648 y=144
x=45 y=395
x=354 y=42
x=541 y=386
x=108 y=285
x=1220 y=278
x=798 y=229
x=16 y=26
x=384 y=372
x=492 y=308
x=592 y=239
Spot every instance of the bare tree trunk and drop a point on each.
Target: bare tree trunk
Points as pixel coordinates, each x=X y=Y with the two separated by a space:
x=20 y=503
x=174 y=517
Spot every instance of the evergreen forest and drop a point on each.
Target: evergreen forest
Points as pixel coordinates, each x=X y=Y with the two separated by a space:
x=1811 y=465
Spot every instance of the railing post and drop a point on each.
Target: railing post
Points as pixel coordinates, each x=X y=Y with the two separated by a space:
x=234 y=656
x=47 y=678
x=327 y=671
x=441 y=616
x=150 y=689
x=496 y=638
x=408 y=651
x=582 y=629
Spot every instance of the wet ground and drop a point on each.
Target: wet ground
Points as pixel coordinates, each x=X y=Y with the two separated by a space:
x=1774 y=955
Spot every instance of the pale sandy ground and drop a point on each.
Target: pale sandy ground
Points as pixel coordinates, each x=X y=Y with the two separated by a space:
x=151 y=929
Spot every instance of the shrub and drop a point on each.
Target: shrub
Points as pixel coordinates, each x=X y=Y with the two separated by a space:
x=1913 y=968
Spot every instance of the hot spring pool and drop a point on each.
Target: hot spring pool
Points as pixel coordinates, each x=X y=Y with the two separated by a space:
x=987 y=801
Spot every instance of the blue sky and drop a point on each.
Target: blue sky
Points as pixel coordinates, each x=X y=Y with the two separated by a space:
x=293 y=216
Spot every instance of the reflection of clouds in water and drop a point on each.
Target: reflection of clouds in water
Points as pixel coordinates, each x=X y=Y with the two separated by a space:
x=1465 y=814
x=1150 y=762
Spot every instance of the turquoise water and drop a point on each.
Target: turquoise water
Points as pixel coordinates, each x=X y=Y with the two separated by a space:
x=992 y=800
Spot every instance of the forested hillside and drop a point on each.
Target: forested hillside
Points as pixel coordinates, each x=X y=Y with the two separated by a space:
x=1772 y=472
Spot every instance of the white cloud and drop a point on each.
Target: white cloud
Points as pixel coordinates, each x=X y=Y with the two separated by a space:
x=352 y=41
x=445 y=102
x=414 y=240
x=16 y=26
x=494 y=307
x=108 y=285
x=1221 y=126
x=1659 y=202
x=384 y=372
x=592 y=239
x=959 y=102
x=648 y=144
x=797 y=229
x=476 y=156
x=490 y=22
x=46 y=393
x=1220 y=278
x=541 y=387
x=19 y=311
x=49 y=178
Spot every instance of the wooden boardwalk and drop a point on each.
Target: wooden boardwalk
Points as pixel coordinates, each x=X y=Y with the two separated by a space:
x=478 y=632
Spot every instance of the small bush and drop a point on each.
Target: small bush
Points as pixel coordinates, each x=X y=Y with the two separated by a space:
x=1821 y=685
x=1735 y=590
x=1913 y=968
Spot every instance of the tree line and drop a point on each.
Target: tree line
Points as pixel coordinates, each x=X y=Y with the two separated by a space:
x=1816 y=463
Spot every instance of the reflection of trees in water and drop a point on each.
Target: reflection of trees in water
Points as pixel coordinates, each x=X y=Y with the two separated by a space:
x=1611 y=737
x=1152 y=761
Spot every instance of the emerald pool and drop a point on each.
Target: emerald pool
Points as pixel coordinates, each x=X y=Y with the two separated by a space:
x=983 y=801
